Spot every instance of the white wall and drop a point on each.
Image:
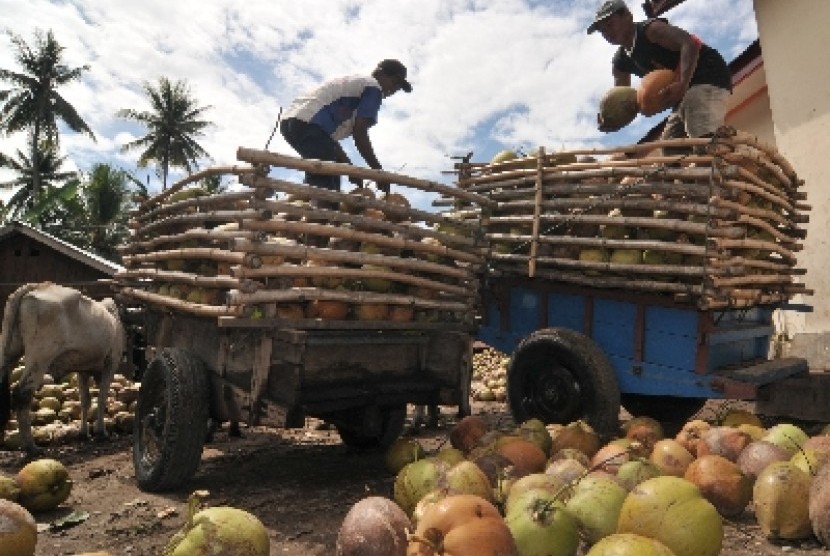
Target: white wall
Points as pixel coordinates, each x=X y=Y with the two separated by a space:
x=794 y=35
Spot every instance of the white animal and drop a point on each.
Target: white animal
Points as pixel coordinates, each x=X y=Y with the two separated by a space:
x=57 y=330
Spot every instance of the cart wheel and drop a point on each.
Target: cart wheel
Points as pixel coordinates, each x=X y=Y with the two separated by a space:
x=558 y=376
x=171 y=421
x=370 y=428
x=667 y=409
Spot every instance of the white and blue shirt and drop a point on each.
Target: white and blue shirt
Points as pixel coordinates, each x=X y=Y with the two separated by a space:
x=334 y=105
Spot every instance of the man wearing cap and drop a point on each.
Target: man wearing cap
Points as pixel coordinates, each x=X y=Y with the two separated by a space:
x=702 y=81
x=316 y=121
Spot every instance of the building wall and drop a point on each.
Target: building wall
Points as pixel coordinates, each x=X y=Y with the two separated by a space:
x=794 y=37
x=23 y=260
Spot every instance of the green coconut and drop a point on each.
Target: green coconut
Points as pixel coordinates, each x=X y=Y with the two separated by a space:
x=219 y=530
x=618 y=108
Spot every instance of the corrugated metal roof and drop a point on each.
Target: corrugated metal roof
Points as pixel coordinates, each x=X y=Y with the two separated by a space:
x=95 y=261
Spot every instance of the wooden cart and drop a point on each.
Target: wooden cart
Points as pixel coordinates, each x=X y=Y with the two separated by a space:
x=626 y=276
x=281 y=301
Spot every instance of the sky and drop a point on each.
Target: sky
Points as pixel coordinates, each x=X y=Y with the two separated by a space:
x=487 y=74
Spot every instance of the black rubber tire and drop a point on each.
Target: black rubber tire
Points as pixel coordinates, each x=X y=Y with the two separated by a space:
x=171 y=421
x=668 y=409
x=351 y=431
x=558 y=375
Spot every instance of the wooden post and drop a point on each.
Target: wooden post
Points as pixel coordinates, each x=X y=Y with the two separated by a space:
x=259 y=378
x=537 y=209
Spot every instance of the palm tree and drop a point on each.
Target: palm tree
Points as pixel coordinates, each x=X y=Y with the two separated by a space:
x=48 y=175
x=172 y=124
x=33 y=103
x=105 y=196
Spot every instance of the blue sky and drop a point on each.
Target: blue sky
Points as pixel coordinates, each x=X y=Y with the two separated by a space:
x=487 y=74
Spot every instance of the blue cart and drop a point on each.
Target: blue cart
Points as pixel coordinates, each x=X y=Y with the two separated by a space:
x=581 y=352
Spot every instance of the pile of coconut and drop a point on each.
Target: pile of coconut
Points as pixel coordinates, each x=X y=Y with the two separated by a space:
x=562 y=489
x=713 y=221
x=278 y=250
x=56 y=409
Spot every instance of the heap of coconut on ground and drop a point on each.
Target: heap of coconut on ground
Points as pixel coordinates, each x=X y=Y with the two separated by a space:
x=719 y=224
x=282 y=252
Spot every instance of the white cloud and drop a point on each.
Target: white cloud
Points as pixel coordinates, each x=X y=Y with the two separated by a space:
x=487 y=73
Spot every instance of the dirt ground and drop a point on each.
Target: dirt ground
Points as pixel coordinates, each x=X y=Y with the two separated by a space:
x=300 y=483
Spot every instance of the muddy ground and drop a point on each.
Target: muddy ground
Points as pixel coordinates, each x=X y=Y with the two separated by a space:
x=300 y=483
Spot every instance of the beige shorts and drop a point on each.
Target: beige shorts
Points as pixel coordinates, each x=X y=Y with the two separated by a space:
x=701 y=112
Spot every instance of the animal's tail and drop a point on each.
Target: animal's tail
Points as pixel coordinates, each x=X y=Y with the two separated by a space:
x=6 y=337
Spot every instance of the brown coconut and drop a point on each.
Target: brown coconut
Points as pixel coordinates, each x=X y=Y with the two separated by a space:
x=467 y=432
x=374 y=525
x=722 y=483
x=18 y=530
x=649 y=97
x=819 y=505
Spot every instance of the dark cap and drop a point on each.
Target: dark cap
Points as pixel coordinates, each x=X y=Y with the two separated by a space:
x=394 y=68
x=608 y=8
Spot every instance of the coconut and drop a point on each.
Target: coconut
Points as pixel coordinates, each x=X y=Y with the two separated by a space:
x=596 y=503
x=518 y=487
x=781 y=496
x=690 y=433
x=629 y=544
x=402 y=452
x=535 y=431
x=371 y=311
x=758 y=455
x=579 y=435
x=467 y=432
x=220 y=530
x=810 y=461
x=18 y=530
x=735 y=417
x=634 y=472
x=672 y=510
x=466 y=477
x=505 y=155
x=44 y=485
x=722 y=483
x=523 y=453
x=373 y=526
x=566 y=470
x=416 y=479
x=398 y=200
x=671 y=457
x=327 y=309
x=536 y=525
x=649 y=98
x=819 y=505
x=723 y=441
x=356 y=206
x=618 y=108
x=610 y=457
x=9 y=490
x=787 y=436
x=645 y=430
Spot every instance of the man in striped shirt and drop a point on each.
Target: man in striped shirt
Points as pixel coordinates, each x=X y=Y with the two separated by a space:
x=348 y=106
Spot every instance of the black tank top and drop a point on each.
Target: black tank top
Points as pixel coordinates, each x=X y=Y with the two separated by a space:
x=647 y=56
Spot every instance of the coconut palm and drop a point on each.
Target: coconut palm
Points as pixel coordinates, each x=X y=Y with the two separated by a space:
x=33 y=104
x=104 y=195
x=172 y=124
x=23 y=202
